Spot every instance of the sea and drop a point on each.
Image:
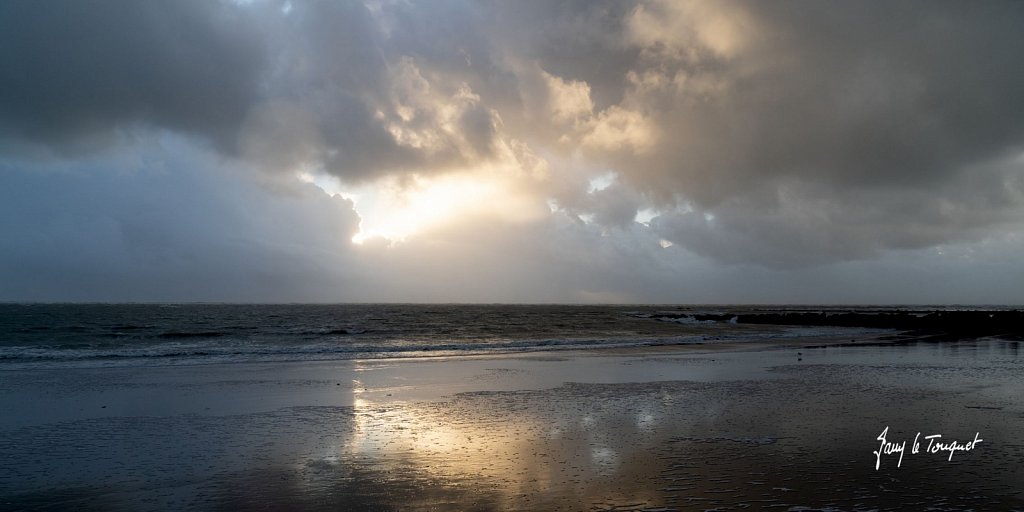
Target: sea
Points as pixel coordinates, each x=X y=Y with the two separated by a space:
x=130 y=335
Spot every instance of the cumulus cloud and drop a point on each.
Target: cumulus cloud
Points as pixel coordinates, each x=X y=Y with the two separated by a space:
x=782 y=136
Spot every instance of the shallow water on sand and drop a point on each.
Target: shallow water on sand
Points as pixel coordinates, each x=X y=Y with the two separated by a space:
x=671 y=430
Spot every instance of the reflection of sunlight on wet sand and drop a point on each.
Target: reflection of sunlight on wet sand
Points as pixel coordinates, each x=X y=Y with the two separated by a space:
x=443 y=448
x=475 y=442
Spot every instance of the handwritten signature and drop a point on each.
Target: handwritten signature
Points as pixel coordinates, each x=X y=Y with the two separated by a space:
x=935 y=445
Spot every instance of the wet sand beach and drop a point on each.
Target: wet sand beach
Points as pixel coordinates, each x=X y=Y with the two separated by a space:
x=768 y=427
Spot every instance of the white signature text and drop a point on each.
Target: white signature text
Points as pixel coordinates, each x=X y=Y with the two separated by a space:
x=935 y=444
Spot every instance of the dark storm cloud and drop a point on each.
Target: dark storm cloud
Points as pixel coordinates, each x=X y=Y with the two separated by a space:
x=71 y=73
x=577 y=40
x=318 y=107
x=816 y=132
x=780 y=134
x=795 y=223
x=165 y=222
x=360 y=93
x=856 y=94
x=285 y=85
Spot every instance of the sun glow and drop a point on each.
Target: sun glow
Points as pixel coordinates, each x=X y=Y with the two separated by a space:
x=395 y=209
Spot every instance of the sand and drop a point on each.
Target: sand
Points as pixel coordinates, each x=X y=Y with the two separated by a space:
x=701 y=428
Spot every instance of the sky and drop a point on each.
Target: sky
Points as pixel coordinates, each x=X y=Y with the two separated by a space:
x=512 y=151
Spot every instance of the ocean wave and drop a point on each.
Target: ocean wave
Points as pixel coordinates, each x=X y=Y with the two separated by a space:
x=171 y=335
x=232 y=352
